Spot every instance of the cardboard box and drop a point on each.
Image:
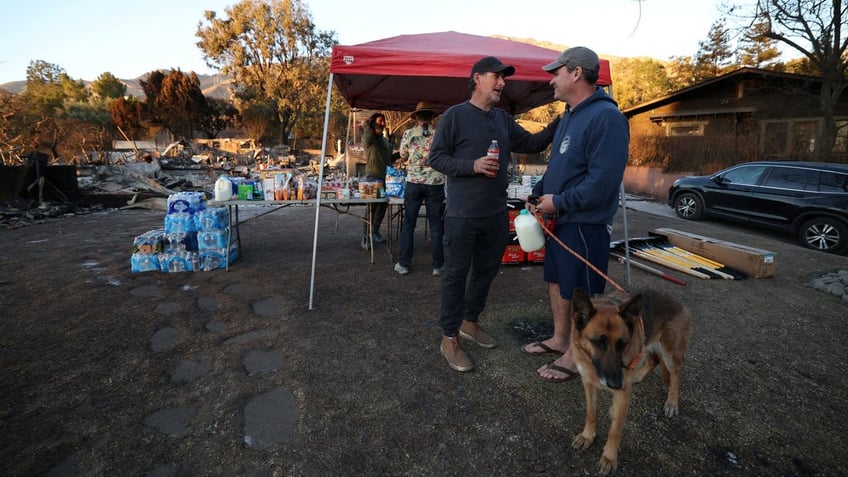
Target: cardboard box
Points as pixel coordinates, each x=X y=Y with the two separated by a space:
x=150 y=242
x=536 y=257
x=513 y=213
x=513 y=255
x=755 y=262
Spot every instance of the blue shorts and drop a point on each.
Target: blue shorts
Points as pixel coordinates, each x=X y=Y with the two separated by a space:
x=591 y=242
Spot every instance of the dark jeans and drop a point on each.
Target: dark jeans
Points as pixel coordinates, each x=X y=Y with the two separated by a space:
x=433 y=197
x=474 y=248
x=376 y=211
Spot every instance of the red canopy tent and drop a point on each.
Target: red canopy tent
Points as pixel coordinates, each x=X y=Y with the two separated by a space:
x=394 y=74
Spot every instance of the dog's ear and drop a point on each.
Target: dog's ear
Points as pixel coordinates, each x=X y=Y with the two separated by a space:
x=632 y=310
x=581 y=308
x=631 y=313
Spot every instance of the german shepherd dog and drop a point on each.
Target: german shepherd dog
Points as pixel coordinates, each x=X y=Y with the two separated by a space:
x=617 y=343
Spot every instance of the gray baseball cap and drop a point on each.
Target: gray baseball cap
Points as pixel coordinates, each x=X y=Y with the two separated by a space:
x=574 y=57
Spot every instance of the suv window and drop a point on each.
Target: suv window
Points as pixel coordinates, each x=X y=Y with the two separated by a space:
x=833 y=182
x=793 y=178
x=744 y=175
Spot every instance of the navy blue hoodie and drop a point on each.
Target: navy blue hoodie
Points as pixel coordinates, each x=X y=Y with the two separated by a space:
x=588 y=156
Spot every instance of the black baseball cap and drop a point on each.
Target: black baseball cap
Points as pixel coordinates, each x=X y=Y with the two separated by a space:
x=493 y=65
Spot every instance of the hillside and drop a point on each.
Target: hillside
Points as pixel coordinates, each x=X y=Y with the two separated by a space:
x=214 y=86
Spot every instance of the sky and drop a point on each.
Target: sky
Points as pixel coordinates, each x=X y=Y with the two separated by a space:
x=129 y=39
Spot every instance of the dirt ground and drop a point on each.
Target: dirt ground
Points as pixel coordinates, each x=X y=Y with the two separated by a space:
x=763 y=392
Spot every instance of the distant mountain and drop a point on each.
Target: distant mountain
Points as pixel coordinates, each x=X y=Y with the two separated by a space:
x=214 y=86
x=13 y=87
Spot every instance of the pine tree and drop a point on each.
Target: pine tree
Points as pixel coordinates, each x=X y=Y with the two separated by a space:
x=715 y=55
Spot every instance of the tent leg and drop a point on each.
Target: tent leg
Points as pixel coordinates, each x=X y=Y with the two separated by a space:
x=626 y=234
x=318 y=197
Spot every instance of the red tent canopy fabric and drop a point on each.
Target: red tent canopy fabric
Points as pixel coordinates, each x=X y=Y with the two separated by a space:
x=395 y=73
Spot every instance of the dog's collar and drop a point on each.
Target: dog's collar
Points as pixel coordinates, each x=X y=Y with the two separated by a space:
x=638 y=357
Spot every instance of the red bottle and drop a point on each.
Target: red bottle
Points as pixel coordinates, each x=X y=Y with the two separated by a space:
x=494 y=150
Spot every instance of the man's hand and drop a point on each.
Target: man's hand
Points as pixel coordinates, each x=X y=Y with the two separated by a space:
x=487 y=166
x=530 y=203
x=546 y=204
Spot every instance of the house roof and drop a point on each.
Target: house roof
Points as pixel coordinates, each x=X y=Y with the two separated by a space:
x=733 y=76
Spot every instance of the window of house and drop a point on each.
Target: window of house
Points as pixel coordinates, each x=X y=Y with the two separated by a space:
x=796 y=138
x=841 y=143
x=804 y=136
x=774 y=138
x=793 y=178
x=685 y=128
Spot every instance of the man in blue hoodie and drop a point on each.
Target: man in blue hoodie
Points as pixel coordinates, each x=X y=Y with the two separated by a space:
x=580 y=192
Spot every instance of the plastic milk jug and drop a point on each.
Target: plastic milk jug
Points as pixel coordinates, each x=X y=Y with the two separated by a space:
x=223 y=189
x=530 y=234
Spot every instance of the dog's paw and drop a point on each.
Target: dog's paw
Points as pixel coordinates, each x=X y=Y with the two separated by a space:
x=582 y=442
x=607 y=466
x=670 y=409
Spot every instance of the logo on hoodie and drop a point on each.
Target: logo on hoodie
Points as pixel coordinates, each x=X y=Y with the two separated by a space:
x=563 y=146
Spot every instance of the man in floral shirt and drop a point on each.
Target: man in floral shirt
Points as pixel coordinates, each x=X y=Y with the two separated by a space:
x=423 y=184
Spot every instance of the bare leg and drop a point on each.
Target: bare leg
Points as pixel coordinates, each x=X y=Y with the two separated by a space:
x=562 y=328
x=560 y=308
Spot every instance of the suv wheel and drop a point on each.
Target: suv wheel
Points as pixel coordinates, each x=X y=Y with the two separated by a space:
x=689 y=206
x=825 y=234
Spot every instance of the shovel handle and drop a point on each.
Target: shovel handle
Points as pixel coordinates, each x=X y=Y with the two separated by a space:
x=652 y=270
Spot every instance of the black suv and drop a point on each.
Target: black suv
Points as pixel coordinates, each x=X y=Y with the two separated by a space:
x=808 y=199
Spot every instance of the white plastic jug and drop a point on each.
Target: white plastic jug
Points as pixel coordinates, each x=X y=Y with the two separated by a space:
x=223 y=189
x=530 y=234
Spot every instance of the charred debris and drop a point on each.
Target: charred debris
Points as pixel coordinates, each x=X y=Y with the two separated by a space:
x=33 y=189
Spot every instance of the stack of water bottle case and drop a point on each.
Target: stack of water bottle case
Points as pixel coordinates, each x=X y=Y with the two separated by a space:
x=193 y=239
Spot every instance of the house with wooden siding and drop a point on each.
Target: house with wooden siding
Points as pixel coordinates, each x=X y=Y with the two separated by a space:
x=746 y=115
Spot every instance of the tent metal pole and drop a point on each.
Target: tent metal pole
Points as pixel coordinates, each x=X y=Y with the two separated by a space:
x=624 y=211
x=351 y=120
x=626 y=234
x=320 y=185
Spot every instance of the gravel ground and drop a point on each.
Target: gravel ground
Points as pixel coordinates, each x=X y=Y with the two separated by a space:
x=107 y=372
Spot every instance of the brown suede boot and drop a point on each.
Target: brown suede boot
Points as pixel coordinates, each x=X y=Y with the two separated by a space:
x=471 y=331
x=457 y=359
